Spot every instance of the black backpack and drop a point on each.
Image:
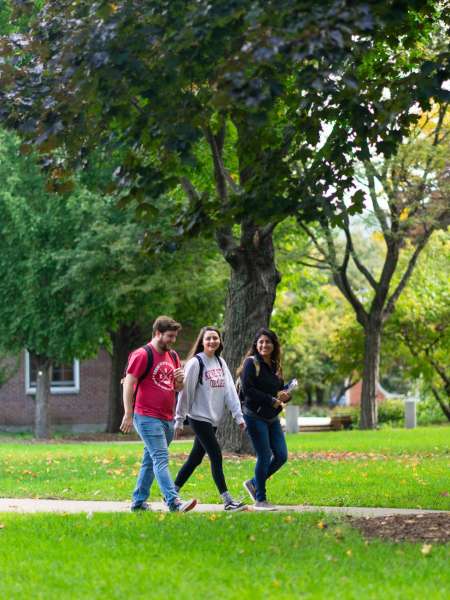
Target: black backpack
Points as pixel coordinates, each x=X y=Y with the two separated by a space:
x=202 y=367
x=148 y=367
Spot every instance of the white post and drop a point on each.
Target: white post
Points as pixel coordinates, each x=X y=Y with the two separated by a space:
x=410 y=413
x=292 y=412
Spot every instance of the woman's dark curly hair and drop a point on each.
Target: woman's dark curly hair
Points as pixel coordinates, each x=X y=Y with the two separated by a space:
x=275 y=356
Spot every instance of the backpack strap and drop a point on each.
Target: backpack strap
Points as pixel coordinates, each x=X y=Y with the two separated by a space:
x=174 y=357
x=148 y=367
x=201 y=365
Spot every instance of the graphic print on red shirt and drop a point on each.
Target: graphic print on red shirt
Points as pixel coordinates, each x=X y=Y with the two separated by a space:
x=156 y=393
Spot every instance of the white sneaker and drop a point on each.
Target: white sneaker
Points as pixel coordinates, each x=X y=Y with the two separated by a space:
x=183 y=505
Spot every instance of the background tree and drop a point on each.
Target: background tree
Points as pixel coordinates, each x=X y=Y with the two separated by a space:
x=414 y=188
x=419 y=329
x=76 y=277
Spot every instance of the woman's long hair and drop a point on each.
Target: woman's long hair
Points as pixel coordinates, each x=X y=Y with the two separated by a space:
x=276 y=353
x=198 y=344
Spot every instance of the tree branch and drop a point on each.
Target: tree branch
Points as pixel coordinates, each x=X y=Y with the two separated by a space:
x=390 y=305
x=361 y=268
x=190 y=190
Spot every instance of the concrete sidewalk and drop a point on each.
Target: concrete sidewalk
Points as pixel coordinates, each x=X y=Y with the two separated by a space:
x=25 y=505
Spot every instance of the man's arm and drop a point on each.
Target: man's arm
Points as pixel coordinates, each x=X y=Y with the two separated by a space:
x=128 y=403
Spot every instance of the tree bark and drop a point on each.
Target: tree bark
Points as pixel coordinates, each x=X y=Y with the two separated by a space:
x=372 y=341
x=444 y=407
x=43 y=381
x=124 y=340
x=251 y=295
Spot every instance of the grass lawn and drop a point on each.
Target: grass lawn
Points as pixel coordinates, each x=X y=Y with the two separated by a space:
x=391 y=467
x=210 y=556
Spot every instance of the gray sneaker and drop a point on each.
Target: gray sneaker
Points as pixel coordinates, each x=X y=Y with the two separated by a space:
x=183 y=505
x=144 y=507
x=264 y=505
x=250 y=489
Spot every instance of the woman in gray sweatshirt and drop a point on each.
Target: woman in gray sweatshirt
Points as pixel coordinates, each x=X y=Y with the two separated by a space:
x=208 y=388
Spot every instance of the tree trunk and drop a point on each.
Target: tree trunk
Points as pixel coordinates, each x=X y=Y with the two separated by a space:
x=126 y=339
x=251 y=295
x=309 y=398
x=445 y=407
x=43 y=381
x=372 y=341
x=320 y=394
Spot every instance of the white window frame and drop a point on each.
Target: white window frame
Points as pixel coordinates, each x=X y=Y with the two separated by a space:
x=56 y=390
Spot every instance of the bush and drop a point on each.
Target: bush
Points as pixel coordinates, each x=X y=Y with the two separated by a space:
x=391 y=412
x=429 y=412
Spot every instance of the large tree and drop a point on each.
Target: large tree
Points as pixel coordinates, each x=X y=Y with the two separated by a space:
x=252 y=82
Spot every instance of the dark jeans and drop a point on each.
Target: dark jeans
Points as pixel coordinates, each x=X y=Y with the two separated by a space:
x=271 y=451
x=205 y=442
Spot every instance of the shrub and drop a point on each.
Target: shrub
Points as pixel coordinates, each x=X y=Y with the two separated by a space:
x=429 y=412
x=391 y=412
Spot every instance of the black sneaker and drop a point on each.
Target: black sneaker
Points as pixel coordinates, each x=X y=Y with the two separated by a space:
x=235 y=506
x=183 y=505
x=250 y=489
x=144 y=507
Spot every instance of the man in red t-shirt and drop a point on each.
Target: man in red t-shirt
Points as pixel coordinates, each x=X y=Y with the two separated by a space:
x=153 y=411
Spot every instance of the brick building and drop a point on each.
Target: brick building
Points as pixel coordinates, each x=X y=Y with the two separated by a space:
x=78 y=399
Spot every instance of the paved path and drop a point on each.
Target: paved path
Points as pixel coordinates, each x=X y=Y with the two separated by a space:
x=24 y=505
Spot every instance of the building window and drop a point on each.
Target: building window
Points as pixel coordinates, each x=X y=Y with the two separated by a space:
x=65 y=377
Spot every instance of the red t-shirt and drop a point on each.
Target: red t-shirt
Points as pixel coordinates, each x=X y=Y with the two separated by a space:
x=156 y=393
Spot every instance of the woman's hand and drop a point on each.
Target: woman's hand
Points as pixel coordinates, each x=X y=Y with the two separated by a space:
x=283 y=396
x=242 y=426
x=177 y=432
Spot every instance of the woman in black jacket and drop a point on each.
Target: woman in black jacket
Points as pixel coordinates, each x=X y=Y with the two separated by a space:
x=263 y=398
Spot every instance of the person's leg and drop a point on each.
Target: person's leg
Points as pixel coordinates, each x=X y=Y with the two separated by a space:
x=258 y=431
x=144 y=481
x=278 y=446
x=205 y=432
x=156 y=435
x=194 y=459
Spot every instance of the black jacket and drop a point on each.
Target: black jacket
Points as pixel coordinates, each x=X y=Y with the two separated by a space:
x=259 y=391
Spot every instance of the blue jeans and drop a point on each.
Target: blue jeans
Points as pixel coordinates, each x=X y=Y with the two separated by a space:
x=156 y=435
x=271 y=451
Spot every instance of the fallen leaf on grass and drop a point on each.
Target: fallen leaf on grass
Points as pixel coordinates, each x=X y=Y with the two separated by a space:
x=2 y=526
x=426 y=549
x=348 y=552
x=322 y=525
x=288 y=519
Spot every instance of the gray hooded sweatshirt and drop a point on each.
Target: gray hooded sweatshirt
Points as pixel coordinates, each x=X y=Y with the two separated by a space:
x=206 y=401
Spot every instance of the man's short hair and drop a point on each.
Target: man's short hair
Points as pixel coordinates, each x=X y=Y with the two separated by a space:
x=163 y=324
